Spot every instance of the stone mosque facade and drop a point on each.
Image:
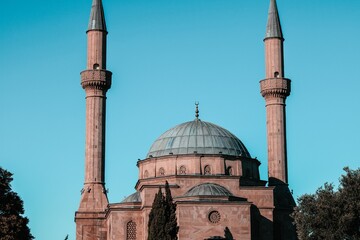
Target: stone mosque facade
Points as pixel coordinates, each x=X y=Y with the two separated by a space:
x=213 y=178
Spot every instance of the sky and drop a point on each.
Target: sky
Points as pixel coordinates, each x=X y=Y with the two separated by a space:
x=165 y=55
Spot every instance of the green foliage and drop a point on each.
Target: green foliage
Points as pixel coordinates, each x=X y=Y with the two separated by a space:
x=330 y=214
x=227 y=233
x=13 y=226
x=171 y=227
x=162 y=219
x=157 y=219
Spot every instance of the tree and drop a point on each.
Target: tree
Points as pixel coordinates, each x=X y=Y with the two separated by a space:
x=157 y=219
x=13 y=225
x=330 y=214
x=171 y=227
x=162 y=218
x=228 y=234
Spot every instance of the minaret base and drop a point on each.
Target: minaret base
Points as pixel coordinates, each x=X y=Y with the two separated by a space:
x=93 y=198
x=90 y=226
x=90 y=218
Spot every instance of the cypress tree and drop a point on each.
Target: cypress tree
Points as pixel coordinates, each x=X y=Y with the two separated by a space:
x=228 y=235
x=162 y=223
x=157 y=218
x=171 y=227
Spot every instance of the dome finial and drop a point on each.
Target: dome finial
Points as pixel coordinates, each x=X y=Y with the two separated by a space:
x=197 y=110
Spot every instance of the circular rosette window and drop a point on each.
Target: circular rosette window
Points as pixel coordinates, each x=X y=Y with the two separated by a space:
x=214 y=217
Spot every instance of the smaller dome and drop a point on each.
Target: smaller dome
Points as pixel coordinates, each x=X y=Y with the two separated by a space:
x=208 y=189
x=133 y=198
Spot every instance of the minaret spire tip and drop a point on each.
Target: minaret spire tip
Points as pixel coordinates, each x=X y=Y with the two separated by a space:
x=273 y=28
x=97 y=17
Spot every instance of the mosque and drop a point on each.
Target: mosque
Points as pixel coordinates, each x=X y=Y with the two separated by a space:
x=213 y=178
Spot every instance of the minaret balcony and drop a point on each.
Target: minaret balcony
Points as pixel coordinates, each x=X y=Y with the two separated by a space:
x=97 y=78
x=276 y=87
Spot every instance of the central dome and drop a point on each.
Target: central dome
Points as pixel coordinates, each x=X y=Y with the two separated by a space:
x=197 y=137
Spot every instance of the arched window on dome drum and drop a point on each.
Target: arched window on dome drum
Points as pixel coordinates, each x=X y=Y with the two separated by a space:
x=207 y=170
x=182 y=170
x=229 y=171
x=131 y=231
x=162 y=171
x=146 y=174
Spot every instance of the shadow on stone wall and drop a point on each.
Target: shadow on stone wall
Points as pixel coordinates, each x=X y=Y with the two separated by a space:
x=284 y=228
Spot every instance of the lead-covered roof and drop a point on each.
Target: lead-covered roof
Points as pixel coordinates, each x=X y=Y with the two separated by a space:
x=197 y=137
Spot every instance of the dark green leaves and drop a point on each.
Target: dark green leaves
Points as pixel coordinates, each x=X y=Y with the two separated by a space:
x=330 y=214
x=13 y=226
x=162 y=219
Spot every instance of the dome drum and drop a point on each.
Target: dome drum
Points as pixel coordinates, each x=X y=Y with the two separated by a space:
x=196 y=165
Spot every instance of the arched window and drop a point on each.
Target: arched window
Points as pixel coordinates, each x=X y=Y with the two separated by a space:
x=276 y=74
x=96 y=66
x=207 y=170
x=131 y=231
x=229 y=171
x=182 y=170
x=146 y=174
x=162 y=171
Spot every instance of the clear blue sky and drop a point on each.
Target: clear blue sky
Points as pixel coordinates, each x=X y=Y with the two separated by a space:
x=165 y=55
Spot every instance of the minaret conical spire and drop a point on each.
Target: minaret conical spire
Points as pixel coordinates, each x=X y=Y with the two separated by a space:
x=97 y=16
x=273 y=28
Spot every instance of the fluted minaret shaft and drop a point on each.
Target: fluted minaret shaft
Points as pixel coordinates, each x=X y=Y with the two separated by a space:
x=275 y=88
x=95 y=80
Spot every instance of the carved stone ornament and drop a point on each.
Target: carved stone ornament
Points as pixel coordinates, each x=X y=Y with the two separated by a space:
x=214 y=217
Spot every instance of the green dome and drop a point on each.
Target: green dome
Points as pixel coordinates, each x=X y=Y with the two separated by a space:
x=135 y=197
x=208 y=189
x=197 y=137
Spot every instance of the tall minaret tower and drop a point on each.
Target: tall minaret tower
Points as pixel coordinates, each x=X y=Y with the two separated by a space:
x=275 y=88
x=95 y=80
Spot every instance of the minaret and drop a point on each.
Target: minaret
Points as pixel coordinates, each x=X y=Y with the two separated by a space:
x=275 y=88
x=95 y=80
